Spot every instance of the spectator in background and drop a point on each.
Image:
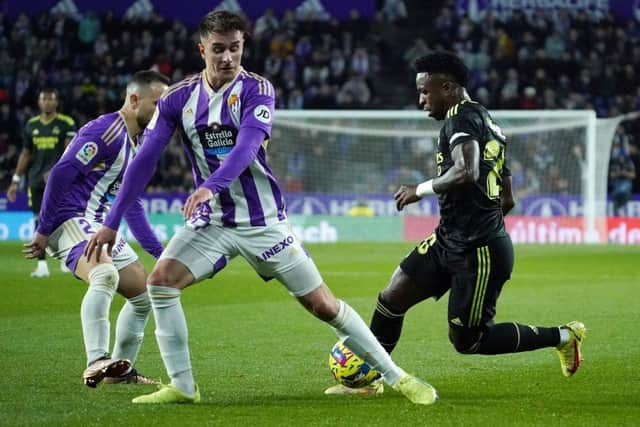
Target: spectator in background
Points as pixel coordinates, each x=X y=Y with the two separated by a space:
x=266 y=25
x=621 y=172
x=89 y=29
x=394 y=11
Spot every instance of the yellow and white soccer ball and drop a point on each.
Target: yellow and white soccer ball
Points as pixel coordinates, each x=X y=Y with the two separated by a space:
x=348 y=369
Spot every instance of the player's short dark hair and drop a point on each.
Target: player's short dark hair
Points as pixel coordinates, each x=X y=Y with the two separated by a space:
x=49 y=90
x=146 y=77
x=445 y=63
x=221 y=21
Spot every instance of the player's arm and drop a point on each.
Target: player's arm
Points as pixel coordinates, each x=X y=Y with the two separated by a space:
x=23 y=164
x=138 y=174
x=507 y=201
x=141 y=229
x=465 y=170
x=21 y=168
x=74 y=162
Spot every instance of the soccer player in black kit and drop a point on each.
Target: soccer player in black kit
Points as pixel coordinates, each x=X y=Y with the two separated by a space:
x=470 y=254
x=45 y=138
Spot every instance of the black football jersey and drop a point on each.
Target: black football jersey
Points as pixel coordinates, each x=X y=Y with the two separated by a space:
x=471 y=215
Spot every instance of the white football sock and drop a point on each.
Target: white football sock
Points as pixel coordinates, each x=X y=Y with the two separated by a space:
x=564 y=336
x=355 y=334
x=94 y=312
x=172 y=336
x=42 y=265
x=130 y=327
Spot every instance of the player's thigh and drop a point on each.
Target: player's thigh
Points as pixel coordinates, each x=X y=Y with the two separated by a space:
x=419 y=276
x=478 y=280
x=203 y=252
x=276 y=252
x=67 y=243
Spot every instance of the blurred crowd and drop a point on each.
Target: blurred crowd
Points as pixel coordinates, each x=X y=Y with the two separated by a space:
x=554 y=62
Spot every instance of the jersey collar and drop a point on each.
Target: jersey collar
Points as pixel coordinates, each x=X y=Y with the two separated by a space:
x=213 y=92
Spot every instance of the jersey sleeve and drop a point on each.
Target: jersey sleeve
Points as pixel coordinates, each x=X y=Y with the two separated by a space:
x=259 y=106
x=85 y=152
x=465 y=126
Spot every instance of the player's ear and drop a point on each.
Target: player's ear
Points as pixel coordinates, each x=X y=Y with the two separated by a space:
x=201 y=49
x=133 y=100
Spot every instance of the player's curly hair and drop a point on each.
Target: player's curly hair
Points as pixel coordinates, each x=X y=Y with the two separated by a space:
x=221 y=21
x=443 y=62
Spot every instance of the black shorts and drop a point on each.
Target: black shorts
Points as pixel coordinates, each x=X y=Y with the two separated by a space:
x=35 y=199
x=475 y=277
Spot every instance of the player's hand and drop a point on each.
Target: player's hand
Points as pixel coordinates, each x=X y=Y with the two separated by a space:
x=11 y=192
x=201 y=195
x=104 y=236
x=36 y=247
x=405 y=195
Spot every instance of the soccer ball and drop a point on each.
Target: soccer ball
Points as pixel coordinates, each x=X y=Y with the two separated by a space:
x=348 y=369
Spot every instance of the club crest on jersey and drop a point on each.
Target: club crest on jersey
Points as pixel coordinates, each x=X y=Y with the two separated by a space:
x=262 y=114
x=87 y=152
x=234 y=103
x=217 y=139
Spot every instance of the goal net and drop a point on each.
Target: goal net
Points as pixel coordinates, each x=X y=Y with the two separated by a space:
x=330 y=161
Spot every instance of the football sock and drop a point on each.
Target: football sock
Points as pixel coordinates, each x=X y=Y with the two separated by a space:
x=94 y=311
x=354 y=333
x=564 y=336
x=130 y=327
x=513 y=338
x=42 y=264
x=386 y=324
x=172 y=336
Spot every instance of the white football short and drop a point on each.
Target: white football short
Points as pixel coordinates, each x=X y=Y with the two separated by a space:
x=67 y=243
x=273 y=251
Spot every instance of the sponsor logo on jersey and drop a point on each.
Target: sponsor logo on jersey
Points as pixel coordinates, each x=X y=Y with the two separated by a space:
x=262 y=114
x=217 y=139
x=87 y=152
x=277 y=248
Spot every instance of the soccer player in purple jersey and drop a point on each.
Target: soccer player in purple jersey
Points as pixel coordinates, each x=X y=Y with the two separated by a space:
x=77 y=197
x=224 y=116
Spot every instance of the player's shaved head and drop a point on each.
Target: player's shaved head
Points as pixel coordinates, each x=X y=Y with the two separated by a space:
x=446 y=63
x=222 y=22
x=142 y=81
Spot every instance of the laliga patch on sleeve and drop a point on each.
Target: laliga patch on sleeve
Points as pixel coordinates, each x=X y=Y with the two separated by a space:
x=262 y=114
x=87 y=152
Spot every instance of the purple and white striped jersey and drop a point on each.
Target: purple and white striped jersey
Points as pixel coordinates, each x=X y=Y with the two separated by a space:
x=225 y=135
x=86 y=179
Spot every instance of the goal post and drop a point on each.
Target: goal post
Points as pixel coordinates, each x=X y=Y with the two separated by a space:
x=559 y=161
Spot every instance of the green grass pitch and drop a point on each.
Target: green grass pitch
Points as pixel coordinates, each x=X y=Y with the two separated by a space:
x=260 y=359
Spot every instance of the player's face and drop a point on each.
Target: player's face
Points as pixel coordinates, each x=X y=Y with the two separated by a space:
x=147 y=101
x=222 y=54
x=431 y=95
x=47 y=102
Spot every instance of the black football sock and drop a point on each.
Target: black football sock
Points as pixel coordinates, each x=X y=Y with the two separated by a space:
x=513 y=338
x=386 y=324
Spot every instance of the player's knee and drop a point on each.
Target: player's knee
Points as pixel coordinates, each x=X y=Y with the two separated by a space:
x=464 y=340
x=165 y=274
x=105 y=277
